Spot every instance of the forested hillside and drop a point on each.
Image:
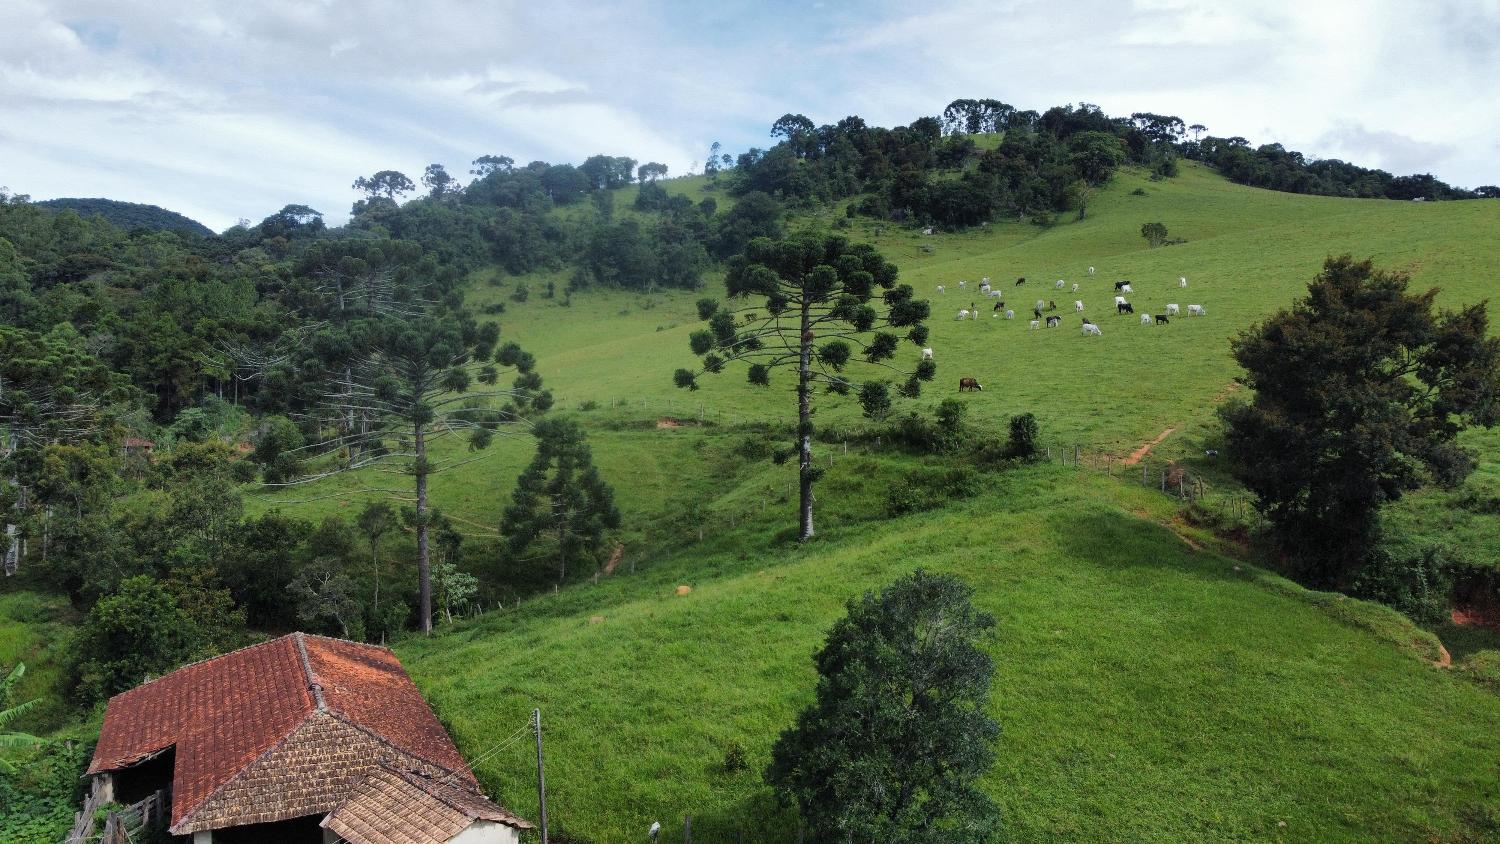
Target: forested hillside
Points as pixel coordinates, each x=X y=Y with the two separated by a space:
x=368 y=430
x=130 y=215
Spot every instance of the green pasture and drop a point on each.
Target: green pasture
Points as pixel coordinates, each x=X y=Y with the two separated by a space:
x=1148 y=691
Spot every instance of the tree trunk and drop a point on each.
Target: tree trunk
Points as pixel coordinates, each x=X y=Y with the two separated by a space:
x=424 y=561
x=804 y=424
x=375 y=558
x=562 y=548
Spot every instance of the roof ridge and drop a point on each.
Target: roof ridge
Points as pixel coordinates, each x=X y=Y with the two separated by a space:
x=307 y=671
x=403 y=751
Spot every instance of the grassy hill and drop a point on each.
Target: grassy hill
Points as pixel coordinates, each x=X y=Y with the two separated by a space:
x=1154 y=684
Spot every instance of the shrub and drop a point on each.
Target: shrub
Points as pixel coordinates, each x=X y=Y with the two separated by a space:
x=523 y=292
x=927 y=489
x=1024 y=431
x=753 y=448
x=1420 y=585
x=588 y=404
x=707 y=308
x=735 y=758
x=494 y=308
x=1138 y=192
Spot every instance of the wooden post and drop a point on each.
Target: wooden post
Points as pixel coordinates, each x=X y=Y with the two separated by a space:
x=541 y=778
x=687 y=829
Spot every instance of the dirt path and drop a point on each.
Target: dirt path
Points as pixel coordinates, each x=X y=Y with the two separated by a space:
x=1136 y=456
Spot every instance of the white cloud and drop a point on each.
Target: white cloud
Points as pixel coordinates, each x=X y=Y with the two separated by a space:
x=228 y=109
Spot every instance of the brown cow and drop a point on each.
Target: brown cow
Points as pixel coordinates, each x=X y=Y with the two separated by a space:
x=969 y=384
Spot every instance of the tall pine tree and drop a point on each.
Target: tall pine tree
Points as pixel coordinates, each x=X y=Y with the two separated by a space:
x=561 y=507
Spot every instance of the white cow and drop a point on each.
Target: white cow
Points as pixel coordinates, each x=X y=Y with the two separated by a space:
x=1172 y=310
x=1091 y=270
x=1145 y=319
x=961 y=284
x=974 y=314
x=1041 y=303
x=1060 y=284
x=963 y=314
x=942 y=289
x=985 y=281
x=1196 y=310
x=1075 y=287
x=926 y=354
x=1078 y=305
x=1035 y=324
x=1125 y=288
x=1182 y=281
x=1119 y=300
x=997 y=294
x=1092 y=329
x=1010 y=314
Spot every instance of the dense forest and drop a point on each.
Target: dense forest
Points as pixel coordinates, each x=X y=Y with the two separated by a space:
x=265 y=353
x=130 y=215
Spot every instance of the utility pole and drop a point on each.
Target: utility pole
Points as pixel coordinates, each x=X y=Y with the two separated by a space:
x=541 y=778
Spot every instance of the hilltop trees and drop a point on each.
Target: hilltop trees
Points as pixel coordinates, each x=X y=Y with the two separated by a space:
x=390 y=184
x=561 y=507
x=1361 y=389
x=895 y=742
x=813 y=310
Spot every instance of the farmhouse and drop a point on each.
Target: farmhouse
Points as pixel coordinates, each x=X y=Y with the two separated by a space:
x=299 y=739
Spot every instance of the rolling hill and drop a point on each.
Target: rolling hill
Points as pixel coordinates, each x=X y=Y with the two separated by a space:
x=1155 y=684
x=130 y=215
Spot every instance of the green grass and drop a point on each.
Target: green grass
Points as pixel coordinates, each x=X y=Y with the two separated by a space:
x=1148 y=692
x=34 y=630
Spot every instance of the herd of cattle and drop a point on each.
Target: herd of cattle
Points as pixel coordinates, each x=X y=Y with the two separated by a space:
x=1042 y=306
x=1040 y=309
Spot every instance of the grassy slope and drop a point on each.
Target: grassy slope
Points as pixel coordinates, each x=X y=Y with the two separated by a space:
x=1248 y=253
x=1148 y=692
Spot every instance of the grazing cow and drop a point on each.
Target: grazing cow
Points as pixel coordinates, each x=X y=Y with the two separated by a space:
x=963 y=314
x=1010 y=314
x=1052 y=321
x=1035 y=323
x=1036 y=312
x=1196 y=310
x=1051 y=304
x=1092 y=329
x=927 y=230
x=961 y=284
x=985 y=281
x=1091 y=270
x=926 y=354
x=1126 y=289
x=1041 y=303
x=1020 y=281
x=942 y=289
x=999 y=306
x=1119 y=300
x=1075 y=287
x=1119 y=285
x=1078 y=305
x=985 y=288
x=1182 y=281
x=970 y=384
x=997 y=294
x=1060 y=284
x=1124 y=308
x=1173 y=309
x=1161 y=319
x=1145 y=319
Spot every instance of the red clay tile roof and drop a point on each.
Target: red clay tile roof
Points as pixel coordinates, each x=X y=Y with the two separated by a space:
x=397 y=806
x=223 y=714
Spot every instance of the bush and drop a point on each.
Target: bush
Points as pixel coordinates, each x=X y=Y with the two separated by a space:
x=1420 y=586
x=494 y=308
x=927 y=489
x=707 y=308
x=753 y=448
x=735 y=758
x=1024 y=431
x=1483 y=667
x=523 y=292
x=588 y=404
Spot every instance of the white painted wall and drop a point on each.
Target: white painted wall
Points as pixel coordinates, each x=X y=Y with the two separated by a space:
x=487 y=832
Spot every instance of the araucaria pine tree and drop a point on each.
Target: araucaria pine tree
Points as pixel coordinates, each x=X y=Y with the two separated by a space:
x=561 y=508
x=816 y=301
x=894 y=744
x=413 y=384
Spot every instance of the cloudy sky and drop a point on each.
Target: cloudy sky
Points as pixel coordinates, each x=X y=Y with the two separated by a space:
x=223 y=110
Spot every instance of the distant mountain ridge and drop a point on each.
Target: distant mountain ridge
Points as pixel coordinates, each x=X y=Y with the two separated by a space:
x=131 y=215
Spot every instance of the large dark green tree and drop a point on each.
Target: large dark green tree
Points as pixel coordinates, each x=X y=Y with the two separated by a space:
x=893 y=746
x=814 y=307
x=1361 y=389
x=561 y=507
x=413 y=384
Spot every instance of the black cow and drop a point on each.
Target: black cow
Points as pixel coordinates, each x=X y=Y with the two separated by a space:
x=1120 y=284
x=1020 y=281
x=1124 y=308
x=1161 y=319
x=1052 y=321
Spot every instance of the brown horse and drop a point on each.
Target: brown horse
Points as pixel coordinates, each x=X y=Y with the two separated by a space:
x=969 y=384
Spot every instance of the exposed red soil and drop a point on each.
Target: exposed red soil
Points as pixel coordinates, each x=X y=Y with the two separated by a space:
x=614 y=559
x=1476 y=617
x=1445 y=659
x=668 y=422
x=1136 y=456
